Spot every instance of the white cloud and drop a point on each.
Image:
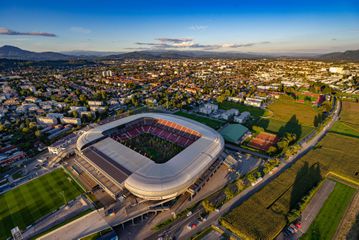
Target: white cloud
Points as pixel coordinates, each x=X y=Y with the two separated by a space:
x=6 y=31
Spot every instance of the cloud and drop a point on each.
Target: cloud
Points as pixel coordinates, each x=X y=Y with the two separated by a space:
x=188 y=43
x=6 y=31
x=81 y=30
x=198 y=27
x=174 y=40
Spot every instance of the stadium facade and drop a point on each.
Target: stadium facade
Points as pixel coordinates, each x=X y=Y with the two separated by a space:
x=102 y=153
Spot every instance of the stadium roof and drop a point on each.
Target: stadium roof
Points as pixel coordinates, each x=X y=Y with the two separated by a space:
x=233 y=132
x=148 y=179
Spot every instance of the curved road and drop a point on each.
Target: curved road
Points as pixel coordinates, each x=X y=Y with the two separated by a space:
x=244 y=195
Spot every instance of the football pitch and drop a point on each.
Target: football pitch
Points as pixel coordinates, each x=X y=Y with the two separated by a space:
x=24 y=205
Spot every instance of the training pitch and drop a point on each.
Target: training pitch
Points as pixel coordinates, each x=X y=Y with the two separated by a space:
x=24 y=205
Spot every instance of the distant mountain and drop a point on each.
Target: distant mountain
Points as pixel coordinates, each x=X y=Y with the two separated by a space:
x=11 y=52
x=84 y=53
x=352 y=55
x=184 y=54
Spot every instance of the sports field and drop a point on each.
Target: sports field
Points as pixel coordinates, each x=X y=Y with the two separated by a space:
x=325 y=224
x=281 y=116
x=155 y=148
x=288 y=115
x=216 y=124
x=24 y=205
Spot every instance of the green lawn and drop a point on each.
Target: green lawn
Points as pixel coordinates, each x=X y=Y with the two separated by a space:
x=25 y=204
x=216 y=124
x=280 y=127
x=330 y=215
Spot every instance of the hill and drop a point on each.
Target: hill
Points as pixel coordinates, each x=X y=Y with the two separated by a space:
x=11 y=52
x=351 y=55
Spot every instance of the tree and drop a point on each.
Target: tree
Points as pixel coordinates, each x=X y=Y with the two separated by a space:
x=2 y=127
x=221 y=98
x=38 y=133
x=208 y=206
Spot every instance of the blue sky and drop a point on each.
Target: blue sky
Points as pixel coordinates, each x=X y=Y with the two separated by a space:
x=244 y=26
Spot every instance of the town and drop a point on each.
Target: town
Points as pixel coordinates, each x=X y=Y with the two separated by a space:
x=269 y=113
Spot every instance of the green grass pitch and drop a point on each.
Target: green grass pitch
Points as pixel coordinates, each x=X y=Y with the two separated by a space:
x=24 y=205
x=328 y=219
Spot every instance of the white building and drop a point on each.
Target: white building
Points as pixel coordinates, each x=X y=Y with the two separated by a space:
x=339 y=70
x=208 y=108
x=107 y=73
x=229 y=113
x=242 y=118
x=46 y=120
x=95 y=103
x=70 y=120
x=255 y=102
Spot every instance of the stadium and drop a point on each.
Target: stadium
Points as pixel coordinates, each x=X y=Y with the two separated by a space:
x=153 y=156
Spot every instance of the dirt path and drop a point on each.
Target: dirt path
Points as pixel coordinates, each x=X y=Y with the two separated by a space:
x=349 y=219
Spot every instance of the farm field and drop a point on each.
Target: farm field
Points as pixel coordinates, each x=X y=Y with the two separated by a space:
x=264 y=214
x=216 y=124
x=345 y=129
x=350 y=113
x=325 y=224
x=27 y=203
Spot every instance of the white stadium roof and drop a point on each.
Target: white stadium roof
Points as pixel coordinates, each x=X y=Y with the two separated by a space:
x=150 y=180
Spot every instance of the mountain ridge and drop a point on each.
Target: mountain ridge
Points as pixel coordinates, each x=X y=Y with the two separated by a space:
x=15 y=53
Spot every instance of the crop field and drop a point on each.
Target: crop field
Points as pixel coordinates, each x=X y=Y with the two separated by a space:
x=345 y=129
x=25 y=204
x=350 y=113
x=349 y=120
x=325 y=224
x=264 y=214
x=216 y=124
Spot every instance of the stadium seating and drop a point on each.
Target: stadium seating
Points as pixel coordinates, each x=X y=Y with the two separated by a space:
x=166 y=130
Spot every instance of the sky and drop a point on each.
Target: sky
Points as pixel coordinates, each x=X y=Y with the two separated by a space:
x=268 y=26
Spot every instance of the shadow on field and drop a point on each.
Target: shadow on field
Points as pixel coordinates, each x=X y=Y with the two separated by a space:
x=292 y=126
x=353 y=233
x=306 y=178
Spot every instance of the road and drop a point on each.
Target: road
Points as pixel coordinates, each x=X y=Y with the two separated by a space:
x=244 y=195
